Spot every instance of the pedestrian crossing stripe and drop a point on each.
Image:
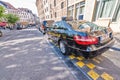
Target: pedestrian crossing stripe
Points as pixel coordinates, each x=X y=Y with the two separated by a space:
x=93 y=74
x=80 y=64
x=106 y=76
x=90 y=65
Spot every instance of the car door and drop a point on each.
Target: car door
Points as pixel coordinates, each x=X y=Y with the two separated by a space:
x=50 y=31
x=53 y=32
x=57 y=29
x=67 y=33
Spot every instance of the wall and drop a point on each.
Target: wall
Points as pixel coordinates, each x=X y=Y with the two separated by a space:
x=89 y=9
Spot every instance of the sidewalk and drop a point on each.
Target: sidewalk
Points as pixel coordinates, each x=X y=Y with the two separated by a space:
x=116 y=45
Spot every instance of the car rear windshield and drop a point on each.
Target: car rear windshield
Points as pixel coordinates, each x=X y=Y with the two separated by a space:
x=84 y=26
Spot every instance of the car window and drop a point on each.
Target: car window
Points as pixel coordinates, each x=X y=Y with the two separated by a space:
x=54 y=25
x=59 y=26
x=84 y=27
x=65 y=26
x=90 y=25
x=74 y=24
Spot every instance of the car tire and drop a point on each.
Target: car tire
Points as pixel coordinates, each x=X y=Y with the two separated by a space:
x=86 y=55
x=63 y=48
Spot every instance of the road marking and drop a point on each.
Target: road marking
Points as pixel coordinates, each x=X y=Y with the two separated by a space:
x=97 y=61
x=71 y=56
x=106 y=76
x=80 y=64
x=93 y=74
x=80 y=58
x=90 y=65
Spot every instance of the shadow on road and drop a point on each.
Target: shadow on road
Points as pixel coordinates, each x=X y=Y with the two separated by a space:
x=116 y=48
x=26 y=55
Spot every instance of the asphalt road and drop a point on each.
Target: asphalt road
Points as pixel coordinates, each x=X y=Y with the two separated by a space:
x=26 y=55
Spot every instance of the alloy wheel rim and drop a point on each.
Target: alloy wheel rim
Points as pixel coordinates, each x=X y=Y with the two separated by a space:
x=62 y=47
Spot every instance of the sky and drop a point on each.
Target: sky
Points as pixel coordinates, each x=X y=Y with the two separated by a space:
x=30 y=4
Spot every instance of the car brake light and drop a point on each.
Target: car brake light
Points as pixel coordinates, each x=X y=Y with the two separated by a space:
x=85 y=40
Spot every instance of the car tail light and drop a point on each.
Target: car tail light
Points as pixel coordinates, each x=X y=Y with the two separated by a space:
x=85 y=40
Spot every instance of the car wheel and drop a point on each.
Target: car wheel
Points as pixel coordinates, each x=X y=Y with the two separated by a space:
x=63 y=48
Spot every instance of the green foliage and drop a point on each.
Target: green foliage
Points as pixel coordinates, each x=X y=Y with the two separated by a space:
x=2 y=11
x=12 y=19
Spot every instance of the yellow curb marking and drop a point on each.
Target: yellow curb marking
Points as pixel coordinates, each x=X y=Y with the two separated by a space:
x=93 y=75
x=80 y=64
x=72 y=57
x=90 y=65
x=106 y=76
x=80 y=58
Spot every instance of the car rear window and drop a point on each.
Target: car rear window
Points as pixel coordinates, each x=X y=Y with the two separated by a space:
x=74 y=24
x=84 y=26
x=93 y=27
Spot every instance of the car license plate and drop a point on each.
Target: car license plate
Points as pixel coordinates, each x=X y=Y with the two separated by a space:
x=104 y=37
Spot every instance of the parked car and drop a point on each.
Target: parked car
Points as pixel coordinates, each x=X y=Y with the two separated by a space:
x=0 y=33
x=19 y=28
x=81 y=37
x=3 y=24
x=44 y=25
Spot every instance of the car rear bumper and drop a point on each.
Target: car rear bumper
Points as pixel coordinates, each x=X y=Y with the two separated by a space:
x=92 y=48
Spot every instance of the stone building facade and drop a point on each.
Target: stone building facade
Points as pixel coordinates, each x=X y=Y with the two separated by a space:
x=102 y=12
x=26 y=16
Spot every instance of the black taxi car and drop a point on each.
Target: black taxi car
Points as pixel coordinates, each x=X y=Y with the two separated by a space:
x=83 y=37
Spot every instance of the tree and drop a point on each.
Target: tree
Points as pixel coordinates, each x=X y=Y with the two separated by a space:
x=11 y=18
x=2 y=11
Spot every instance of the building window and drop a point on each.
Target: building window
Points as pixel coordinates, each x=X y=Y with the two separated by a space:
x=50 y=6
x=44 y=2
x=82 y=9
x=77 y=12
x=51 y=15
x=55 y=14
x=107 y=8
x=117 y=16
x=79 y=9
x=62 y=5
x=47 y=8
x=48 y=16
x=70 y=11
x=54 y=2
